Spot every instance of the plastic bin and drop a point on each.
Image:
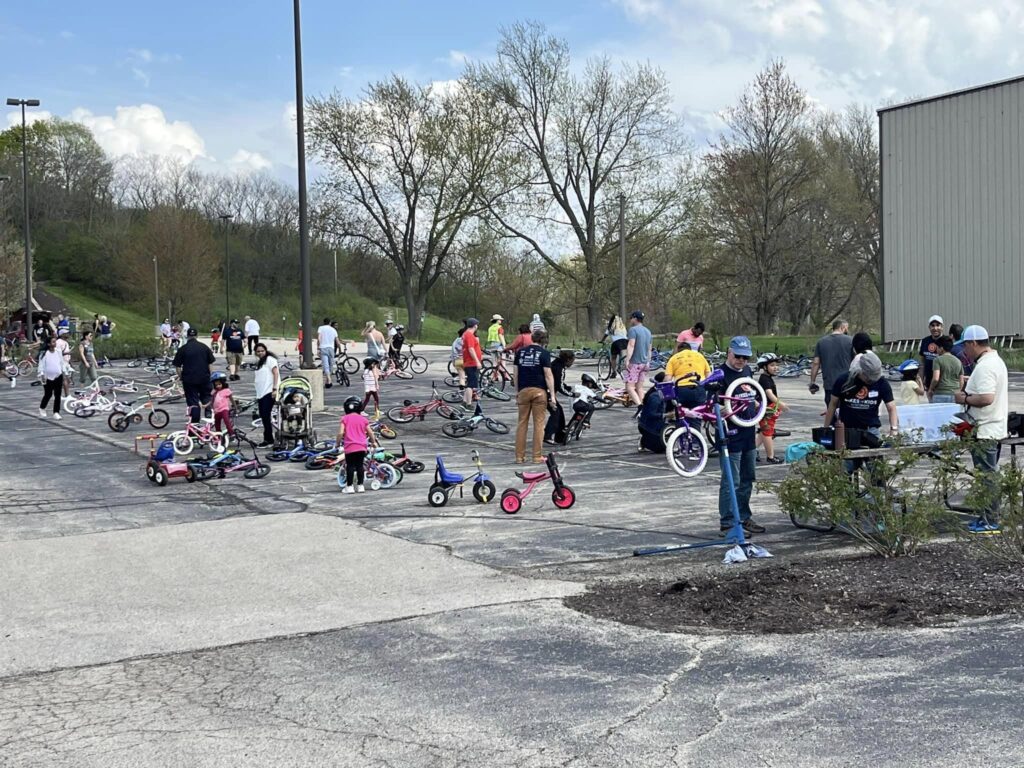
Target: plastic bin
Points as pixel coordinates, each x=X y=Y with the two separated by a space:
x=929 y=419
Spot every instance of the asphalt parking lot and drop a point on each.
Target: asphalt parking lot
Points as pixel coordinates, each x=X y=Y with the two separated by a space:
x=279 y=622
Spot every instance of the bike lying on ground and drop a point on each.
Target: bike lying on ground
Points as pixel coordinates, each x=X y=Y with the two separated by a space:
x=467 y=425
x=413 y=409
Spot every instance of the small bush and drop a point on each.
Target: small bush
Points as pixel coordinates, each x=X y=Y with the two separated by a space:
x=127 y=347
x=888 y=511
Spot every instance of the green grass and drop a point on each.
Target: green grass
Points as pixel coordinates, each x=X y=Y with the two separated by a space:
x=85 y=305
x=436 y=330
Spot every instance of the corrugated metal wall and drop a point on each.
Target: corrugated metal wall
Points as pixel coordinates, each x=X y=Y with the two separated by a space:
x=952 y=212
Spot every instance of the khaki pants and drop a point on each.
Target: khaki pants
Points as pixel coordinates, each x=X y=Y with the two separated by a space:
x=531 y=400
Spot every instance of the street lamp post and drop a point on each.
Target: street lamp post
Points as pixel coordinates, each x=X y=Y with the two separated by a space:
x=226 y=217
x=622 y=257
x=24 y=194
x=306 y=353
x=156 y=293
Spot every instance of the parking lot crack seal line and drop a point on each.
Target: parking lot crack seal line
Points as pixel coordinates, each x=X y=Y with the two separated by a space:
x=275 y=638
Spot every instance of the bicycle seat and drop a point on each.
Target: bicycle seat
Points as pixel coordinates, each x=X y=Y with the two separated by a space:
x=531 y=476
x=410 y=402
x=446 y=477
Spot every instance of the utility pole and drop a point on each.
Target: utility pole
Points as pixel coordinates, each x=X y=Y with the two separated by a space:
x=24 y=195
x=622 y=257
x=226 y=218
x=300 y=138
x=156 y=291
x=335 y=271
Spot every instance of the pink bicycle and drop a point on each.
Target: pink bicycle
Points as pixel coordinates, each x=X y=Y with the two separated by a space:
x=563 y=496
x=202 y=433
x=743 y=404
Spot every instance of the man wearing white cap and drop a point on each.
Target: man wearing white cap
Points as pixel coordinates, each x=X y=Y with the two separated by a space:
x=986 y=401
x=930 y=348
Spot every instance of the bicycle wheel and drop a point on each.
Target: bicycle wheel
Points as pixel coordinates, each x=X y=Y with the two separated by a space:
x=134 y=363
x=85 y=411
x=350 y=364
x=418 y=364
x=10 y=369
x=451 y=381
x=456 y=429
x=450 y=413
x=402 y=374
x=255 y=473
x=117 y=422
x=413 y=467
x=387 y=432
x=182 y=443
x=452 y=371
x=497 y=427
x=604 y=365
x=317 y=462
x=454 y=397
x=745 y=402
x=563 y=497
x=401 y=362
x=401 y=414
x=158 y=418
x=105 y=382
x=24 y=367
x=493 y=392
x=280 y=456
x=686 y=451
x=388 y=475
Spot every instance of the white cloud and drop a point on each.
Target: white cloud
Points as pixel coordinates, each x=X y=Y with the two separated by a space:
x=141 y=75
x=142 y=129
x=66 y=34
x=444 y=87
x=142 y=54
x=456 y=59
x=245 y=161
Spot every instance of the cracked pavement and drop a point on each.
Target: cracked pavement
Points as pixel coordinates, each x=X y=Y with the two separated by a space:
x=277 y=623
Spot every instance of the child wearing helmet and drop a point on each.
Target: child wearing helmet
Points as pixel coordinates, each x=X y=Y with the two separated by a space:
x=371 y=384
x=911 y=389
x=223 y=402
x=769 y=366
x=354 y=436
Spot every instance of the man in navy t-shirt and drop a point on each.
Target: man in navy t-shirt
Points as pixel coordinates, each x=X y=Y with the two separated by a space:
x=535 y=387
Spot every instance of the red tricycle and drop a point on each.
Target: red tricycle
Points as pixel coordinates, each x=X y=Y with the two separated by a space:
x=563 y=496
x=161 y=465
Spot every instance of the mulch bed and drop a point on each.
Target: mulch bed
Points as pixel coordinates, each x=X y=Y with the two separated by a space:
x=935 y=587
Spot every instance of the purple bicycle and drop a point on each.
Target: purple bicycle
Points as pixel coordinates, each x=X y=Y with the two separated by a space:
x=742 y=403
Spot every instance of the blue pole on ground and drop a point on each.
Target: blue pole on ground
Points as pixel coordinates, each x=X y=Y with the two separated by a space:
x=735 y=536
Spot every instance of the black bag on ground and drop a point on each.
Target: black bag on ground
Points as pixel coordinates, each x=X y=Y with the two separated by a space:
x=652 y=422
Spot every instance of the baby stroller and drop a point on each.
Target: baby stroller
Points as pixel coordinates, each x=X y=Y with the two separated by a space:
x=295 y=418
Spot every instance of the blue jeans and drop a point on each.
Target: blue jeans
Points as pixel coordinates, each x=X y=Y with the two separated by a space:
x=942 y=398
x=327 y=361
x=986 y=462
x=743 y=475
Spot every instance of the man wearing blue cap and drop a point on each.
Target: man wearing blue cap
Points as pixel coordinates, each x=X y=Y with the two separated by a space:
x=986 y=400
x=742 y=447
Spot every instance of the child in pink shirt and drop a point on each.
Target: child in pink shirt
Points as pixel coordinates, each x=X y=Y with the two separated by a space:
x=223 y=402
x=354 y=435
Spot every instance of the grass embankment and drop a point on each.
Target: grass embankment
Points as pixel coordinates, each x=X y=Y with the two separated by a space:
x=134 y=334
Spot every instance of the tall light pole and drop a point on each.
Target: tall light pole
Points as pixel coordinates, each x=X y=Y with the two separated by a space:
x=24 y=195
x=156 y=293
x=300 y=137
x=622 y=257
x=226 y=217
x=3 y=320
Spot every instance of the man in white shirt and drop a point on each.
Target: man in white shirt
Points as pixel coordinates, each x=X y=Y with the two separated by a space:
x=183 y=325
x=326 y=337
x=252 y=332
x=987 y=402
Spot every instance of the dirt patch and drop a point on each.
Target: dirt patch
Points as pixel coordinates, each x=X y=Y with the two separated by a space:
x=935 y=587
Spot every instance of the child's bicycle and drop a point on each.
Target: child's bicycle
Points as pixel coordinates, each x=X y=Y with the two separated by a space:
x=235 y=461
x=446 y=483
x=411 y=410
x=400 y=461
x=203 y=433
x=467 y=425
x=301 y=452
x=380 y=429
x=742 y=403
x=378 y=473
x=563 y=496
x=119 y=421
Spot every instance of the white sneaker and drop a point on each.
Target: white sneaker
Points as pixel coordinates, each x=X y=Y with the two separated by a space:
x=14 y=383
x=360 y=489
x=348 y=489
x=57 y=416
x=42 y=414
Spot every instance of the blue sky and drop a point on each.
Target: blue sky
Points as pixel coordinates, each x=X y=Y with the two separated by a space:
x=214 y=81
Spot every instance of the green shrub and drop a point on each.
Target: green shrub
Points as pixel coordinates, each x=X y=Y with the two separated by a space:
x=127 y=347
x=890 y=512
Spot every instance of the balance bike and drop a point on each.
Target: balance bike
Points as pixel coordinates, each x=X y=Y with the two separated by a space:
x=563 y=496
x=446 y=482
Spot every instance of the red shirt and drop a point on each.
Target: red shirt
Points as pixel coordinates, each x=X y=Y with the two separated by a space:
x=522 y=340
x=471 y=342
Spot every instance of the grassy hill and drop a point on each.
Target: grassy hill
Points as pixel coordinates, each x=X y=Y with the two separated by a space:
x=85 y=305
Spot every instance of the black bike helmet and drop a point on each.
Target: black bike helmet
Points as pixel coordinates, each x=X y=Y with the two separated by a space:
x=588 y=381
x=353 y=404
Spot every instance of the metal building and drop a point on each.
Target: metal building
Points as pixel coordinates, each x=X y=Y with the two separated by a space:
x=953 y=211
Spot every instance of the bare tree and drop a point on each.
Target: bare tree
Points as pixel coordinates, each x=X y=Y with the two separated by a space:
x=405 y=169
x=580 y=142
x=760 y=183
